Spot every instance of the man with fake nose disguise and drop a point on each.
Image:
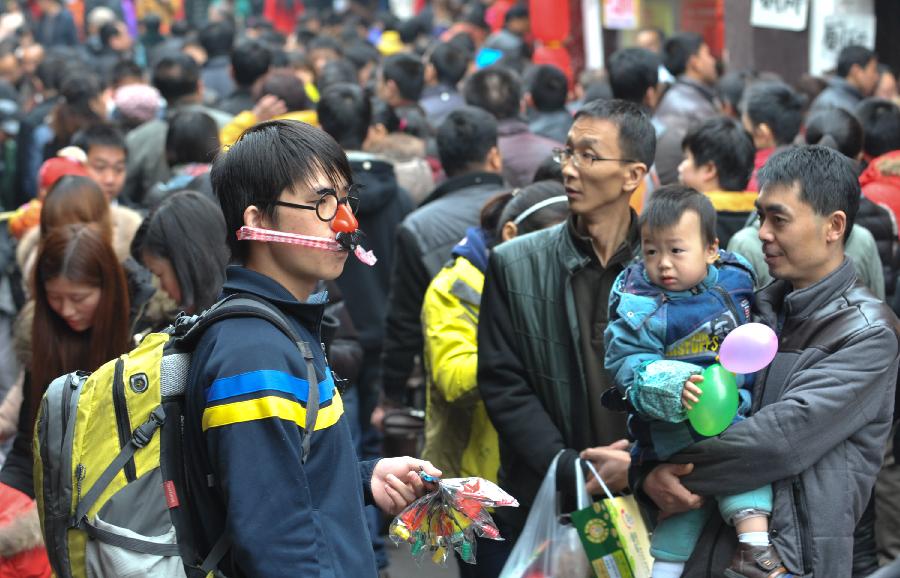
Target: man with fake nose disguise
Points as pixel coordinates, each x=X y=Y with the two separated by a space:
x=289 y=490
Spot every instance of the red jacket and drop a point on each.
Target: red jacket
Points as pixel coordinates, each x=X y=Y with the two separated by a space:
x=881 y=182
x=762 y=155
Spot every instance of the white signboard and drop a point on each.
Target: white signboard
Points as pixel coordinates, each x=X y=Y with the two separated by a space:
x=780 y=14
x=838 y=31
x=620 y=14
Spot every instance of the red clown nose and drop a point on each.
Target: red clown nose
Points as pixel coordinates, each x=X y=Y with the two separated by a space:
x=344 y=221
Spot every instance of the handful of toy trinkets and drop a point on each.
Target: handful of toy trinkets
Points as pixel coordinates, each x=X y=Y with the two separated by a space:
x=450 y=518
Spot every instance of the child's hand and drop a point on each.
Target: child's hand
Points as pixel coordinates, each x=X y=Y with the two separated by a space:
x=691 y=393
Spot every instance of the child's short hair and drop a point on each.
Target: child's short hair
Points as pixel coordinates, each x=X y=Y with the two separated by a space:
x=669 y=203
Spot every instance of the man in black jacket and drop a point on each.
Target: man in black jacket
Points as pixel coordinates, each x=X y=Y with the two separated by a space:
x=544 y=311
x=345 y=112
x=467 y=147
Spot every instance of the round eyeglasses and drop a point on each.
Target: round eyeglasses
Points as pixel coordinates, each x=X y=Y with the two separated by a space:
x=327 y=206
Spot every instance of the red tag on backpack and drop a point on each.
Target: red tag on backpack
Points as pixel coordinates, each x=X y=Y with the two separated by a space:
x=171 y=494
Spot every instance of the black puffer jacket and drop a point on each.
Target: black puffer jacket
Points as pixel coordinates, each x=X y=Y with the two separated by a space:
x=881 y=224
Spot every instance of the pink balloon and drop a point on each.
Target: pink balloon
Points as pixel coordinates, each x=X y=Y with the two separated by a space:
x=748 y=348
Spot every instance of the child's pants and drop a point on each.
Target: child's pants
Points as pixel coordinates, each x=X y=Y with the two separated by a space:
x=675 y=537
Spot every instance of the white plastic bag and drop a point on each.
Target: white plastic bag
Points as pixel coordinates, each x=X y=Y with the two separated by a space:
x=547 y=547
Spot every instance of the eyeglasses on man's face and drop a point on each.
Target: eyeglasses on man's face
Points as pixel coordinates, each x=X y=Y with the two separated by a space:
x=326 y=207
x=581 y=159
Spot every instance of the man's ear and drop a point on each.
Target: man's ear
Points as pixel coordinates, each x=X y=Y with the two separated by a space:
x=651 y=98
x=528 y=101
x=766 y=134
x=430 y=74
x=494 y=160
x=636 y=174
x=253 y=217
x=509 y=231
x=709 y=172
x=837 y=226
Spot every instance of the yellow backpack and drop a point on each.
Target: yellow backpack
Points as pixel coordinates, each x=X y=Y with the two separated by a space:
x=109 y=470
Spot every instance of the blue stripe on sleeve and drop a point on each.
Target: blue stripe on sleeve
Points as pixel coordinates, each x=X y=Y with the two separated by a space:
x=267 y=379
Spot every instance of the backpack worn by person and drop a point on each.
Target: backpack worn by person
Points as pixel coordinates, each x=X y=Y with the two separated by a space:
x=109 y=456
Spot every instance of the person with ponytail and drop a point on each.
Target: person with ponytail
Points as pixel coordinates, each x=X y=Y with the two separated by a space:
x=459 y=436
x=80 y=322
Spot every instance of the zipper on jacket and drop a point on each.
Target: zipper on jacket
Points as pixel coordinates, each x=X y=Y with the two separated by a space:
x=80 y=473
x=802 y=525
x=729 y=302
x=123 y=424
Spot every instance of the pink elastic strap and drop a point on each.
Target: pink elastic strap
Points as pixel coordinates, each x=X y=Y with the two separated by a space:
x=246 y=233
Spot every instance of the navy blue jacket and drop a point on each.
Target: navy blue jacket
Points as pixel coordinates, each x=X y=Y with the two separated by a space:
x=245 y=411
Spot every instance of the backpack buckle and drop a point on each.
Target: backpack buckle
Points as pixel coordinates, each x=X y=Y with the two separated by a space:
x=144 y=432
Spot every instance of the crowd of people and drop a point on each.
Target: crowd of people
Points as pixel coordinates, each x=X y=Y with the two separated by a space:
x=558 y=260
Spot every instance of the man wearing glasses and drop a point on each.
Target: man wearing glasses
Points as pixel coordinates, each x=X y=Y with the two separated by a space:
x=544 y=310
x=269 y=467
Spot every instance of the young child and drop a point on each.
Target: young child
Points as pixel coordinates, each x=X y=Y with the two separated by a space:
x=668 y=316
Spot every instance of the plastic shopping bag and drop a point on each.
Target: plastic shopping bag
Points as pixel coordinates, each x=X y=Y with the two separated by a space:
x=549 y=547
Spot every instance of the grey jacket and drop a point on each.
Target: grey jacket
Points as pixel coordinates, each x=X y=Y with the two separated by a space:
x=839 y=94
x=147 y=153
x=822 y=414
x=686 y=103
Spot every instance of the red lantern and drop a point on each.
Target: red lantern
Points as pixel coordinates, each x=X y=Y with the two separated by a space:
x=549 y=20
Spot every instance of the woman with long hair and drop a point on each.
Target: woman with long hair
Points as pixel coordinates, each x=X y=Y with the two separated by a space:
x=80 y=321
x=182 y=242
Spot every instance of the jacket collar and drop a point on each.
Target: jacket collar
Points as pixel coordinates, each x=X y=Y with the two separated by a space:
x=778 y=296
x=707 y=92
x=511 y=126
x=841 y=84
x=579 y=249
x=463 y=182
x=242 y=280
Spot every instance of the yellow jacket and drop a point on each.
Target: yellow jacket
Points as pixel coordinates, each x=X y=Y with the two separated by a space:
x=459 y=437
x=234 y=129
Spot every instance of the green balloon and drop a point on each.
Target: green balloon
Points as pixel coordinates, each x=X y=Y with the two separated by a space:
x=719 y=403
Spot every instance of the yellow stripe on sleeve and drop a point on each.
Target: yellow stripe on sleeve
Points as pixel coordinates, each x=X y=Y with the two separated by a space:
x=269 y=407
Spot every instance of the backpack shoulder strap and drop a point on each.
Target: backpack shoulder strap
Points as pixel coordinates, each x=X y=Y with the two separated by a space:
x=239 y=305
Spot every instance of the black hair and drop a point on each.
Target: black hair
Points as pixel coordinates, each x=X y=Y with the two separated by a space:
x=514 y=13
x=101 y=134
x=188 y=229
x=678 y=49
x=495 y=89
x=151 y=23
x=385 y=115
x=408 y=74
x=250 y=60
x=837 y=129
x=175 y=76
x=637 y=137
x=526 y=198
x=549 y=88
x=731 y=86
x=124 y=69
x=880 y=121
x=465 y=138
x=450 y=63
x=53 y=68
x=853 y=54
x=827 y=179
x=462 y=41
x=723 y=142
x=108 y=31
x=669 y=203
x=632 y=71
x=598 y=90
x=217 y=38
x=324 y=43
x=360 y=53
x=345 y=113
x=192 y=137
x=338 y=71
x=777 y=105
x=285 y=85
x=548 y=170
x=411 y=28
x=181 y=28
x=268 y=159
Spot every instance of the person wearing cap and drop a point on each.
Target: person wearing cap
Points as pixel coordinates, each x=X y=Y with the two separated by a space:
x=256 y=424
